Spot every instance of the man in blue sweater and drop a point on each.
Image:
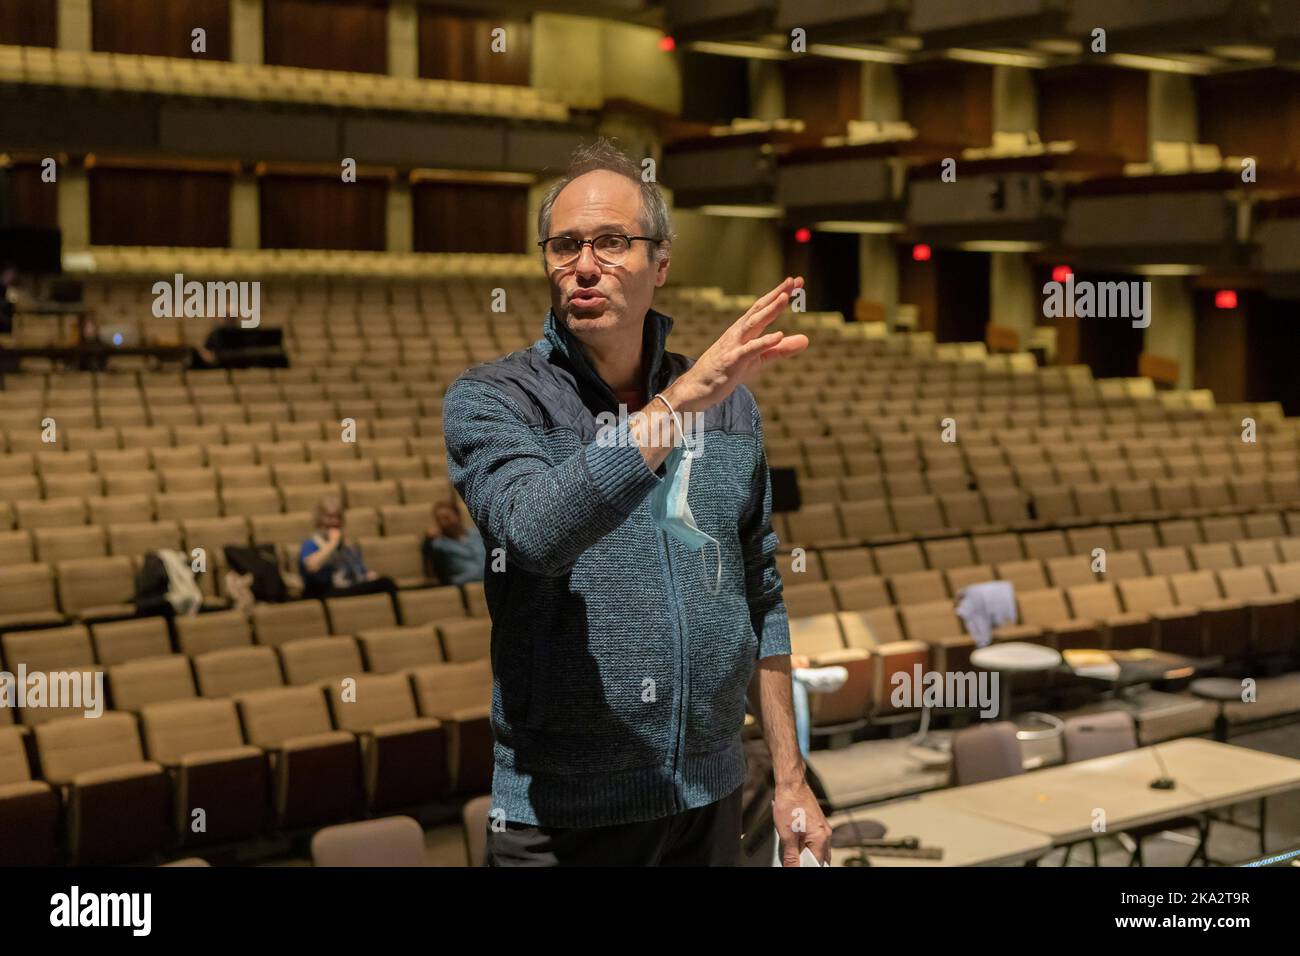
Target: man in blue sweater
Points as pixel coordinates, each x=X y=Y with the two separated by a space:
x=639 y=591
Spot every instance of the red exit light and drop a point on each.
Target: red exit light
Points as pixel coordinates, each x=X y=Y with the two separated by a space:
x=667 y=44
x=1061 y=273
x=1225 y=299
x=803 y=234
x=921 y=252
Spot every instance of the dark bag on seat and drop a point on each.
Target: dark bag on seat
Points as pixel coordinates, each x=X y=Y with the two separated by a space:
x=260 y=562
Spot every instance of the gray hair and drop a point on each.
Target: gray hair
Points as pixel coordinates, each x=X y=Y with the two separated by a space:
x=603 y=154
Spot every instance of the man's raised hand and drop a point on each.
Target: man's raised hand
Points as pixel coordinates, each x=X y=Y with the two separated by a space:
x=739 y=353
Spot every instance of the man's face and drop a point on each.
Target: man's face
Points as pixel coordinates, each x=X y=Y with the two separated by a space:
x=447 y=518
x=331 y=518
x=588 y=295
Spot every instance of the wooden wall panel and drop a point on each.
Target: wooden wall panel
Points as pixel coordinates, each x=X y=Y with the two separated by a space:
x=28 y=201
x=326 y=34
x=29 y=23
x=309 y=212
x=478 y=217
x=950 y=102
x=160 y=27
x=1103 y=110
x=458 y=46
x=1252 y=114
x=151 y=207
x=824 y=93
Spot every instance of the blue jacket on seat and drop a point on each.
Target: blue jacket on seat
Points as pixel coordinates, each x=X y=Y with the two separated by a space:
x=619 y=681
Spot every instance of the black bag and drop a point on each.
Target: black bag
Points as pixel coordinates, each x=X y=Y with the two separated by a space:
x=151 y=585
x=260 y=562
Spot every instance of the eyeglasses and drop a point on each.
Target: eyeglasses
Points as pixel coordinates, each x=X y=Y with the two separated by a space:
x=609 y=249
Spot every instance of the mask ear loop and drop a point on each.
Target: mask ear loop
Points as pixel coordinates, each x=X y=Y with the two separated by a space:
x=677 y=420
x=717 y=578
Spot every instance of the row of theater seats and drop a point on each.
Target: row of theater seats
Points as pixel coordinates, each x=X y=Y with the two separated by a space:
x=181 y=76
x=246 y=718
x=451 y=290
x=1240 y=614
x=82 y=582
x=1182 y=519
x=201 y=771
x=406 y=274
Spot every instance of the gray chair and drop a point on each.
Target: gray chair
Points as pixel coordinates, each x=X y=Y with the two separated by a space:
x=986 y=752
x=1111 y=732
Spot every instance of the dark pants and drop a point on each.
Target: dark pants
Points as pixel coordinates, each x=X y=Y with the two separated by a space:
x=384 y=585
x=705 y=836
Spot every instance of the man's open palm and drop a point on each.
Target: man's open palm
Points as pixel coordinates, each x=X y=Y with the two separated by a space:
x=742 y=351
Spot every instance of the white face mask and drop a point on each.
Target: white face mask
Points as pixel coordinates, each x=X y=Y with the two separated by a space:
x=672 y=512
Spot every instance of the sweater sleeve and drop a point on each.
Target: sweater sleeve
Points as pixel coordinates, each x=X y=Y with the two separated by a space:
x=758 y=543
x=545 y=515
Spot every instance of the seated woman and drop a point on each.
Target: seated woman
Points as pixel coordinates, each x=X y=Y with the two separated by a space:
x=330 y=563
x=453 y=552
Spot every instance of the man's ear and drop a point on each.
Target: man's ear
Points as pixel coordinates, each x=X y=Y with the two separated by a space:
x=661 y=266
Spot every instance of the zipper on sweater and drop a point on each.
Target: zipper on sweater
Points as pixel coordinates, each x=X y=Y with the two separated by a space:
x=683 y=672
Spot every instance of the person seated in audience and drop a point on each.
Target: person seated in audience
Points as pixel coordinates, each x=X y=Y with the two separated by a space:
x=331 y=564
x=205 y=356
x=452 y=551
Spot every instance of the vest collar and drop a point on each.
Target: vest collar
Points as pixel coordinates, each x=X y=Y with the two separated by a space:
x=654 y=338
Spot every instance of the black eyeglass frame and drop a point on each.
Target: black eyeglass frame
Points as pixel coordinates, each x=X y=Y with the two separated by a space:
x=592 y=242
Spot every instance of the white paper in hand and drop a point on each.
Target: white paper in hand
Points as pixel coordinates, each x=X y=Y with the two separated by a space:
x=808 y=858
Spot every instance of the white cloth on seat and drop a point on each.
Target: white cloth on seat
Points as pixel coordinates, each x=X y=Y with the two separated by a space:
x=984 y=606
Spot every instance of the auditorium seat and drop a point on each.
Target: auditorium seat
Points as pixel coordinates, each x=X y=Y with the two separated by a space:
x=187 y=505
x=29 y=809
x=1045 y=619
x=842 y=563
x=64 y=649
x=275 y=624
x=60 y=544
x=465 y=640
x=221 y=783
x=819 y=639
x=219 y=630
x=140 y=539
x=403 y=755
x=899 y=558
x=151 y=680
x=936 y=623
x=315 y=769
x=396 y=649
x=877 y=631
x=996 y=549
x=117 y=804
x=1274 y=625
x=1226 y=622
x=231 y=671
x=425 y=605
x=1177 y=627
x=808 y=598
x=320 y=660
x=27 y=596
x=460 y=696
x=917 y=587
x=124 y=505
x=92 y=589
x=1121 y=630
x=16 y=548
x=117 y=642
x=351 y=615
x=475 y=599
